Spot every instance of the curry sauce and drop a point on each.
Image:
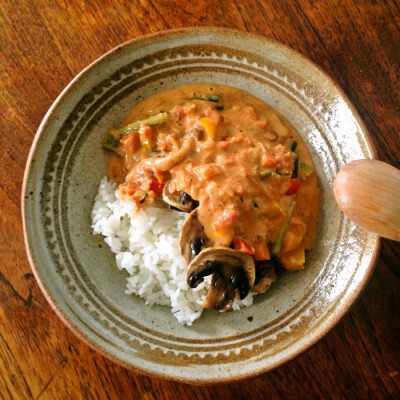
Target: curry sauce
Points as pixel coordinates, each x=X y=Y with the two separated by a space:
x=229 y=155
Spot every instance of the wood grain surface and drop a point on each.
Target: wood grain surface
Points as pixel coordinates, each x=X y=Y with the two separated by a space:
x=45 y=43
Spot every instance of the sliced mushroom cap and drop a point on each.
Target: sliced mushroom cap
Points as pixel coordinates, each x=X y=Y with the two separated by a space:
x=179 y=200
x=265 y=276
x=192 y=238
x=233 y=275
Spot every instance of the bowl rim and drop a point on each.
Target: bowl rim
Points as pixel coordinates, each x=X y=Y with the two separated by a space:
x=331 y=320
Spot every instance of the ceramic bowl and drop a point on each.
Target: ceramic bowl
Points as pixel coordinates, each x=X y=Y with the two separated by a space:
x=77 y=272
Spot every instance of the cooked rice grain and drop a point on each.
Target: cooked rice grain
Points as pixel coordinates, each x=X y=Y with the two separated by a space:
x=147 y=247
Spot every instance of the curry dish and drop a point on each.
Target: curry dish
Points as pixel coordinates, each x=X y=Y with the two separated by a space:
x=240 y=171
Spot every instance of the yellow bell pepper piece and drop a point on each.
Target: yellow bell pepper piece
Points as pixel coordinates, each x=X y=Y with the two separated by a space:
x=222 y=235
x=294 y=260
x=210 y=127
x=146 y=144
x=274 y=210
x=291 y=241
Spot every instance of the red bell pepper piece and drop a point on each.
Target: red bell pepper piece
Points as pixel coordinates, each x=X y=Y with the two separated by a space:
x=261 y=251
x=156 y=187
x=293 y=188
x=243 y=245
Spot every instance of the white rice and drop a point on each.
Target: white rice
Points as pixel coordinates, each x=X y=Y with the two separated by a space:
x=146 y=245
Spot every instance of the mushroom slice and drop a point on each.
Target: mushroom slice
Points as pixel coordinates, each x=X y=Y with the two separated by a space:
x=265 y=276
x=192 y=238
x=179 y=200
x=233 y=275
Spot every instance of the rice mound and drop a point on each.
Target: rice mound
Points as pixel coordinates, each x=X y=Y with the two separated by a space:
x=146 y=245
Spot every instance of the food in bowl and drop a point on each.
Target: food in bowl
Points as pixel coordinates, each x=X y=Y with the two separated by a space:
x=243 y=183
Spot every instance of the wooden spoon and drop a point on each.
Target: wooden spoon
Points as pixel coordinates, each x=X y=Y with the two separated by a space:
x=368 y=192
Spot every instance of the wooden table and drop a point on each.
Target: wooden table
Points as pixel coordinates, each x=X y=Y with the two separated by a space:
x=44 y=43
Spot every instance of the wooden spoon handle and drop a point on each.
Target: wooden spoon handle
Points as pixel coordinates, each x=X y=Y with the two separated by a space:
x=368 y=192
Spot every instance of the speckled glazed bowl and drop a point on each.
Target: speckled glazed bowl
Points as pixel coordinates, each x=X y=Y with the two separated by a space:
x=78 y=276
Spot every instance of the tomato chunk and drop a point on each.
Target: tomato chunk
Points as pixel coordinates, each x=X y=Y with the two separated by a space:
x=268 y=161
x=131 y=142
x=227 y=218
x=243 y=245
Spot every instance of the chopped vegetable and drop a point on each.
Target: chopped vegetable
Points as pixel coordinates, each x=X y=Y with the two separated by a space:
x=243 y=245
x=209 y=126
x=146 y=137
x=154 y=153
x=268 y=161
x=293 y=188
x=223 y=227
x=261 y=251
x=228 y=217
x=293 y=146
x=215 y=98
x=130 y=142
x=278 y=244
x=111 y=144
x=264 y=172
x=292 y=241
x=220 y=230
x=274 y=210
x=305 y=171
x=225 y=234
x=294 y=260
x=157 y=119
x=156 y=187
x=146 y=144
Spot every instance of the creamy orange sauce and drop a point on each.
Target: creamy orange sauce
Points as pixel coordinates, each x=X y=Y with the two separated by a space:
x=236 y=157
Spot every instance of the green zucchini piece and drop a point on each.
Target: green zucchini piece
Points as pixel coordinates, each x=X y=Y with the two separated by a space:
x=215 y=98
x=157 y=119
x=278 y=244
x=153 y=153
x=305 y=171
x=110 y=144
x=264 y=172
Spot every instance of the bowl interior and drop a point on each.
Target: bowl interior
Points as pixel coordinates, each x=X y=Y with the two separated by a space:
x=77 y=271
